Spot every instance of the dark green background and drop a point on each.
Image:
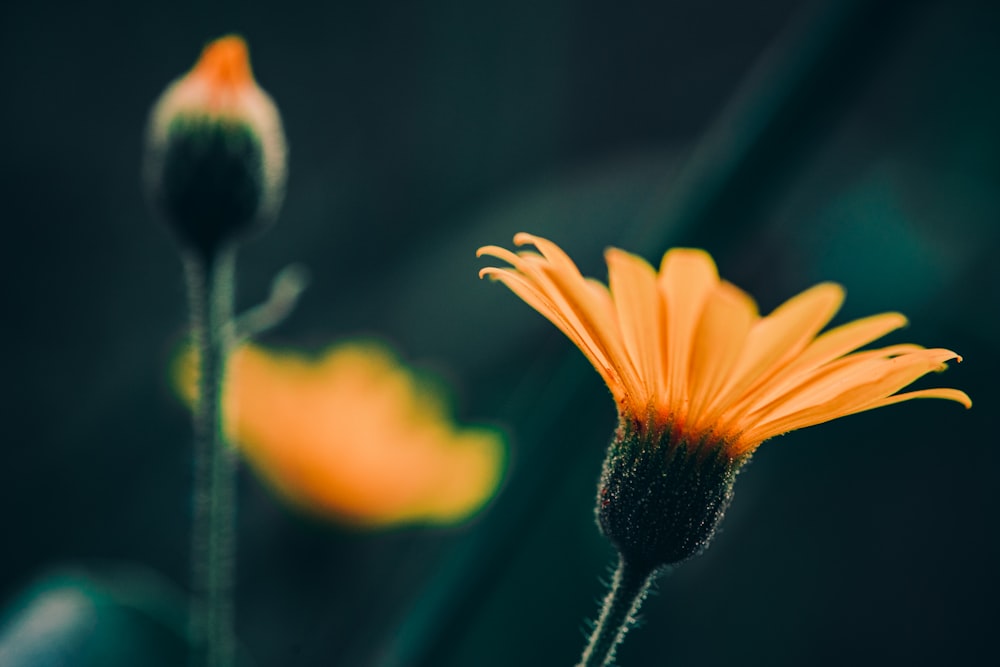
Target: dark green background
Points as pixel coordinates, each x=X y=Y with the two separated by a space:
x=798 y=142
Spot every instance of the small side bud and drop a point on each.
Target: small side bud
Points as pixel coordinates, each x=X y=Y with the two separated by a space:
x=660 y=501
x=215 y=156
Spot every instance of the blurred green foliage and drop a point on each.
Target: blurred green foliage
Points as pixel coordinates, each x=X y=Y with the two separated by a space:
x=124 y=616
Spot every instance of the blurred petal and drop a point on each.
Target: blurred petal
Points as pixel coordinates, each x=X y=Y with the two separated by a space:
x=356 y=435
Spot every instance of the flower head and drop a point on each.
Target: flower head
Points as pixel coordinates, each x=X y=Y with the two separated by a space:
x=686 y=351
x=216 y=150
x=701 y=379
x=356 y=435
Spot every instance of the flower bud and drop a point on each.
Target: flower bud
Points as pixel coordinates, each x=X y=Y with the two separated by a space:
x=215 y=160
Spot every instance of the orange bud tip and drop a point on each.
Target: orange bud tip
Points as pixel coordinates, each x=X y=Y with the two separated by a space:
x=225 y=64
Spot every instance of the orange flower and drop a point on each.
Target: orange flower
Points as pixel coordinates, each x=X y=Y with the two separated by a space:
x=687 y=353
x=701 y=380
x=356 y=435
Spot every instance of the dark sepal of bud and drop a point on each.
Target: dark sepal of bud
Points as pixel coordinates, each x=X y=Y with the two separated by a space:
x=208 y=181
x=660 y=501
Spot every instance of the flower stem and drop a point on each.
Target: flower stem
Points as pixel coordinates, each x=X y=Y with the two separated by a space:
x=628 y=589
x=210 y=293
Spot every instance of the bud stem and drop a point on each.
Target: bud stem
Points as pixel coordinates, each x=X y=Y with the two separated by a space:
x=628 y=589
x=210 y=293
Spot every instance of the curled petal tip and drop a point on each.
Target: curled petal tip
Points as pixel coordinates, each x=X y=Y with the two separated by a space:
x=956 y=395
x=524 y=238
x=901 y=318
x=493 y=251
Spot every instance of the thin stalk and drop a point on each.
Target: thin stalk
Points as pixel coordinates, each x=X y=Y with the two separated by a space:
x=210 y=293
x=628 y=589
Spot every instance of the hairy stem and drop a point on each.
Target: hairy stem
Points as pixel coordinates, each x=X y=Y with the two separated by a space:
x=210 y=291
x=628 y=589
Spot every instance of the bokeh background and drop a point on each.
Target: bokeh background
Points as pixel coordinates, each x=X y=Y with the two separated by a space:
x=798 y=142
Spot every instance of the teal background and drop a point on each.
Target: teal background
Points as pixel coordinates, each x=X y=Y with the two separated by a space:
x=798 y=142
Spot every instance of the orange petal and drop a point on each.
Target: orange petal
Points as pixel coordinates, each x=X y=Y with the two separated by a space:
x=636 y=299
x=725 y=322
x=824 y=349
x=854 y=388
x=591 y=309
x=687 y=277
x=775 y=339
x=573 y=329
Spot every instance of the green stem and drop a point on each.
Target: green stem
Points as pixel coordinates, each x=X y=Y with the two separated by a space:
x=210 y=291
x=628 y=589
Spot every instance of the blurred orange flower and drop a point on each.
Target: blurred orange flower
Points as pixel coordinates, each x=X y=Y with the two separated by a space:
x=354 y=434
